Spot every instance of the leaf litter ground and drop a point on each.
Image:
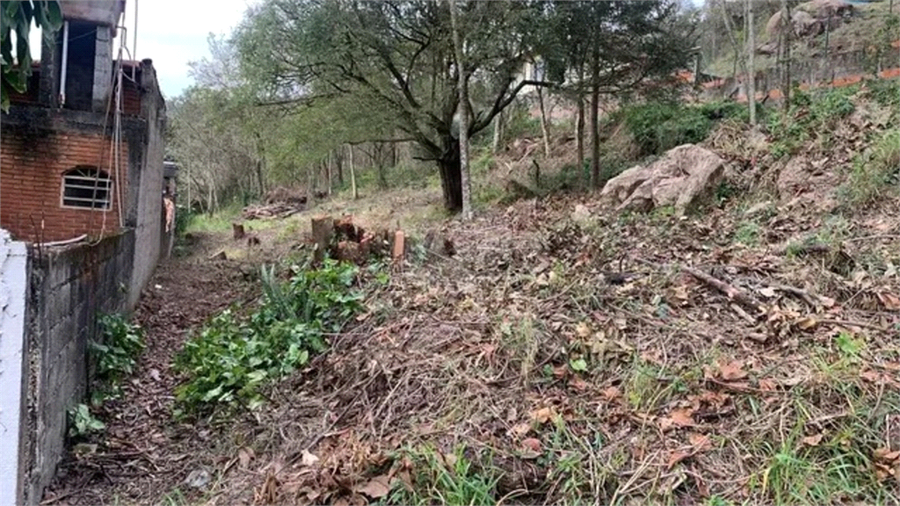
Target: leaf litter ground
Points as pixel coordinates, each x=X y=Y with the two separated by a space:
x=569 y=357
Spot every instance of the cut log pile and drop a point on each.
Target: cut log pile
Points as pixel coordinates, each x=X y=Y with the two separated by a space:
x=273 y=210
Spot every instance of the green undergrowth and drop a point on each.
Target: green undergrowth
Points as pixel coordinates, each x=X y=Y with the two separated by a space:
x=660 y=126
x=113 y=356
x=812 y=116
x=236 y=352
x=454 y=479
x=875 y=171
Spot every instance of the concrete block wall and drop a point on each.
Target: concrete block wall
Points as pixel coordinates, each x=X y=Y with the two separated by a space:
x=69 y=288
x=149 y=229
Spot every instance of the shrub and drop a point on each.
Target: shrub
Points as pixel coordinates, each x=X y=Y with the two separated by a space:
x=232 y=356
x=660 y=126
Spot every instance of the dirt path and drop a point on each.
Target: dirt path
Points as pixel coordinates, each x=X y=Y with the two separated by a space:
x=143 y=448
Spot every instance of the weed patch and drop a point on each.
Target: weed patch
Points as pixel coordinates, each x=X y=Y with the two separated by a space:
x=233 y=355
x=451 y=479
x=875 y=171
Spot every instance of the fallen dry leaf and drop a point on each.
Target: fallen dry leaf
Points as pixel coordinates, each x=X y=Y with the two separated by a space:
x=682 y=417
x=308 y=459
x=891 y=302
x=677 y=456
x=532 y=444
x=733 y=370
x=807 y=323
x=543 y=415
x=583 y=330
x=767 y=385
x=245 y=455
x=521 y=429
x=677 y=418
x=375 y=488
x=611 y=393
x=813 y=440
x=886 y=455
x=700 y=442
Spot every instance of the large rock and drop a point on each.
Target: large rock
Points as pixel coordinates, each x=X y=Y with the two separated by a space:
x=809 y=19
x=680 y=178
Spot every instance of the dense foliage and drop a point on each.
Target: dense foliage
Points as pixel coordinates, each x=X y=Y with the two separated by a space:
x=234 y=353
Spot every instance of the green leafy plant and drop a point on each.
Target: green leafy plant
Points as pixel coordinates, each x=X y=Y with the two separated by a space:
x=233 y=355
x=120 y=343
x=82 y=422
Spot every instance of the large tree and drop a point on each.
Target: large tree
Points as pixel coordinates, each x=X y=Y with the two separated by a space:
x=398 y=54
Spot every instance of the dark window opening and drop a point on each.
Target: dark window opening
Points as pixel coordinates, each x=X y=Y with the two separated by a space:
x=87 y=187
x=80 y=65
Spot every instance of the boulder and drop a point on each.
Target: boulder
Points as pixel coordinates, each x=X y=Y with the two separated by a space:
x=825 y=8
x=682 y=177
x=802 y=22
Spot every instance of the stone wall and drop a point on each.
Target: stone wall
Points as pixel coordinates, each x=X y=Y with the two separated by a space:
x=68 y=288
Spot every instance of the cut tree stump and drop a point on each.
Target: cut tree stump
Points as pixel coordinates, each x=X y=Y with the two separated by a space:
x=399 y=246
x=238 y=230
x=322 y=233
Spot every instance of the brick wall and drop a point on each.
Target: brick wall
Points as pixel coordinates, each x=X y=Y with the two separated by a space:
x=31 y=170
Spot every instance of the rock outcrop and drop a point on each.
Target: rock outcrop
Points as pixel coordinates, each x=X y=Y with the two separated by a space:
x=682 y=177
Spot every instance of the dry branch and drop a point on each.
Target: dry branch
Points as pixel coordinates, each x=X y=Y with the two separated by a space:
x=732 y=292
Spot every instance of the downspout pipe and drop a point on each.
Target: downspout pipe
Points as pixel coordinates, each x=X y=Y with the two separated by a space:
x=65 y=64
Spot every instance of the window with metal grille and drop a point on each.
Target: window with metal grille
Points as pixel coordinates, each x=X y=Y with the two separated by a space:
x=87 y=187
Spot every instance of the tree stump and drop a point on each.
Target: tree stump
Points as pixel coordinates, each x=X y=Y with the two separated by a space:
x=238 y=230
x=322 y=232
x=399 y=245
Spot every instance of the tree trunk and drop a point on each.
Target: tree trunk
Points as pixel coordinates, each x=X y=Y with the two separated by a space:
x=595 y=111
x=545 y=129
x=339 y=163
x=451 y=177
x=328 y=171
x=465 y=191
x=786 y=29
x=579 y=121
x=498 y=133
x=352 y=174
x=751 y=71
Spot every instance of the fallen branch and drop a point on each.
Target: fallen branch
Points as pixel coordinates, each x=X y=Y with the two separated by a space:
x=799 y=292
x=848 y=323
x=732 y=292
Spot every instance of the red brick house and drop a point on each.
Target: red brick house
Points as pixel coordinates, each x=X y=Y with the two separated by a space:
x=79 y=154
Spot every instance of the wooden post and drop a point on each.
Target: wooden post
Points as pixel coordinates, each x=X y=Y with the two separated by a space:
x=322 y=232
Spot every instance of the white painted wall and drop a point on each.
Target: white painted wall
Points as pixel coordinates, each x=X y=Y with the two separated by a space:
x=13 y=283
